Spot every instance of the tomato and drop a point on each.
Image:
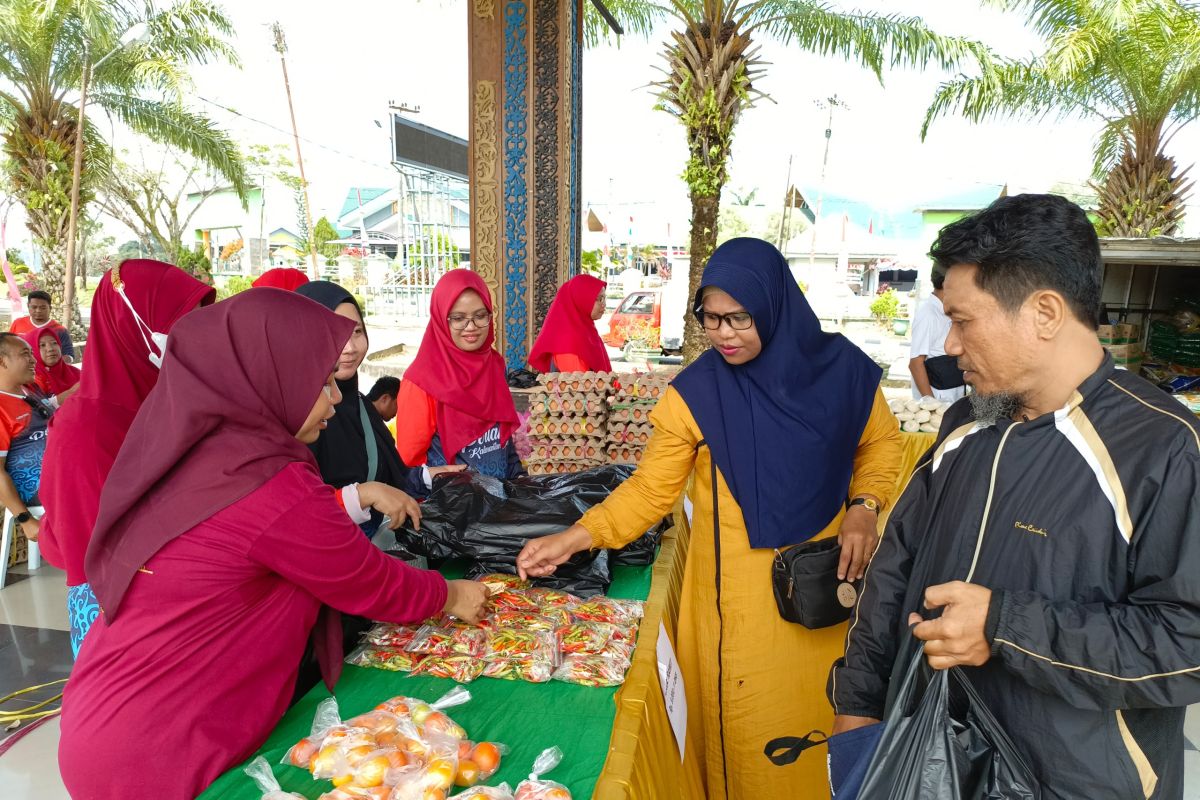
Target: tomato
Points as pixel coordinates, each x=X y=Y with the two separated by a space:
x=468 y=774
x=342 y=780
x=421 y=713
x=435 y=794
x=555 y=793
x=441 y=773
x=487 y=756
x=325 y=762
x=356 y=755
x=370 y=772
x=464 y=751
x=386 y=740
x=301 y=755
x=397 y=759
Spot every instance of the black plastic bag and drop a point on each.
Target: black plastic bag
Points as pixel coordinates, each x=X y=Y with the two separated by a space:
x=488 y=521
x=940 y=742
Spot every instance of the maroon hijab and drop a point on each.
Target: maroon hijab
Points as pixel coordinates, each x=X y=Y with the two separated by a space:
x=238 y=382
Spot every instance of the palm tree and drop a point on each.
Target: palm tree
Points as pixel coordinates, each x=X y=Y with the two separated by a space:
x=1134 y=66
x=713 y=64
x=44 y=47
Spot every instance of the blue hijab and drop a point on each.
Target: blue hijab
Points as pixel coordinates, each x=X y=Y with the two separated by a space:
x=783 y=428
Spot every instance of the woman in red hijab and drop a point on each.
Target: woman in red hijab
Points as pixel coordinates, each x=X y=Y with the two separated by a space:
x=214 y=552
x=569 y=341
x=454 y=402
x=53 y=375
x=286 y=278
x=119 y=371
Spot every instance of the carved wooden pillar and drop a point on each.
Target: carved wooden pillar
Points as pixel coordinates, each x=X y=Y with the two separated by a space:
x=526 y=70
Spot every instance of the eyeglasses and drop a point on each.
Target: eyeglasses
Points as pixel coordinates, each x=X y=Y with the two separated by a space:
x=738 y=320
x=460 y=322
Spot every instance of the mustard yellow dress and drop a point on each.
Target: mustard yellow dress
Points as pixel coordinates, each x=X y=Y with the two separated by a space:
x=771 y=673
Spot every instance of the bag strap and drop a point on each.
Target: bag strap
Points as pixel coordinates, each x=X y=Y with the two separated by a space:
x=786 y=749
x=369 y=438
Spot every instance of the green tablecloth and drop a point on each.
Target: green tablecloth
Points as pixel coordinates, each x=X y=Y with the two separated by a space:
x=527 y=717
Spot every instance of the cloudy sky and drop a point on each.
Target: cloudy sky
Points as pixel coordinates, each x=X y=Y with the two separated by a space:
x=348 y=61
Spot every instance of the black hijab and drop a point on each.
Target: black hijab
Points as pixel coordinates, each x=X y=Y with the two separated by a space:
x=341 y=452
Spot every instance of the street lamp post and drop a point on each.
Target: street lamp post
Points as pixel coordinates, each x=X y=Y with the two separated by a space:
x=138 y=33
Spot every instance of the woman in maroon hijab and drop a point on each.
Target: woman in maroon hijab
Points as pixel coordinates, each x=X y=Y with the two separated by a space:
x=134 y=303
x=213 y=552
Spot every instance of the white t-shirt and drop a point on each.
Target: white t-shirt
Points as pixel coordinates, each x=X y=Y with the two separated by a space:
x=930 y=328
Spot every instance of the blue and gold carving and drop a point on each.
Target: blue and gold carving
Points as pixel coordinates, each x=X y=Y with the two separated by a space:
x=516 y=190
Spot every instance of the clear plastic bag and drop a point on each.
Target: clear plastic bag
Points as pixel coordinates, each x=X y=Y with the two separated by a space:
x=534 y=788
x=531 y=670
x=592 y=670
x=260 y=772
x=585 y=638
x=326 y=719
x=510 y=643
x=388 y=658
x=608 y=609
x=438 y=641
x=501 y=792
x=460 y=668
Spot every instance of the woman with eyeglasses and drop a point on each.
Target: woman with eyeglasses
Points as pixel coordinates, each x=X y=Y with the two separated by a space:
x=216 y=545
x=785 y=436
x=455 y=407
x=121 y=366
x=569 y=341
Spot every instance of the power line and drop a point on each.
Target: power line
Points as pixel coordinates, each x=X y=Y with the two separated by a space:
x=277 y=129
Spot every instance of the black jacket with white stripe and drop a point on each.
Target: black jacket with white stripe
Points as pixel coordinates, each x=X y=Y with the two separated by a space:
x=1085 y=524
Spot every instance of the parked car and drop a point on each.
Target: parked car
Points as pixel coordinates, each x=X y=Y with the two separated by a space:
x=656 y=313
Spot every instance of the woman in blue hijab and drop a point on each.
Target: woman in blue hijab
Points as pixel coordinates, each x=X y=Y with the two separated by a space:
x=785 y=436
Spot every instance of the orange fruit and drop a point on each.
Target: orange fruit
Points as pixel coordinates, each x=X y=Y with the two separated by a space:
x=356 y=755
x=468 y=774
x=487 y=756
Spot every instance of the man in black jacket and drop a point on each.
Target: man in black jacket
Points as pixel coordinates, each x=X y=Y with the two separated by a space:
x=1049 y=543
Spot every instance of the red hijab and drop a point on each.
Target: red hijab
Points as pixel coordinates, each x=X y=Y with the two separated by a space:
x=239 y=380
x=569 y=327
x=470 y=388
x=286 y=278
x=86 y=433
x=57 y=379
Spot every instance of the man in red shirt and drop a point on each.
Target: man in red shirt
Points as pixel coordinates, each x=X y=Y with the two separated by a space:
x=23 y=419
x=38 y=303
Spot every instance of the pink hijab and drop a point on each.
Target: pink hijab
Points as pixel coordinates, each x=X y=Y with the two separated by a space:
x=569 y=327
x=59 y=378
x=470 y=388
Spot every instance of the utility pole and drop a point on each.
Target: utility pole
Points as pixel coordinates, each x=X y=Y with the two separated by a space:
x=281 y=48
x=830 y=103
x=783 y=217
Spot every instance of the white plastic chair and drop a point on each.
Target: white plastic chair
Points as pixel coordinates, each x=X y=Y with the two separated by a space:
x=8 y=537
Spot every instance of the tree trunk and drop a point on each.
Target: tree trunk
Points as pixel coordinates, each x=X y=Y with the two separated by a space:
x=703 y=242
x=1142 y=197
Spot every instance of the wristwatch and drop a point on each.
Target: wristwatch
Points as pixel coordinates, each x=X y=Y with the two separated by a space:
x=24 y=517
x=865 y=501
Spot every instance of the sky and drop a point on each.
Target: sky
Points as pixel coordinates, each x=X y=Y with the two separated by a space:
x=347 y=65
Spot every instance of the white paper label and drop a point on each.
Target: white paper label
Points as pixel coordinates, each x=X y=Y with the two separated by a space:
x=671 y=680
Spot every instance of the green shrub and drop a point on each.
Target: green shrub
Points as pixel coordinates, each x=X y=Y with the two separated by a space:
x=886 y=306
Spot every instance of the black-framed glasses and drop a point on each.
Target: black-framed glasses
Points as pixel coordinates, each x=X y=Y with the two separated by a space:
x=738 y=320
x=460 y=322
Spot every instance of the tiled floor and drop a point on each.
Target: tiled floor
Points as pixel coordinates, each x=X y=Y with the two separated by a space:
x=35 y=649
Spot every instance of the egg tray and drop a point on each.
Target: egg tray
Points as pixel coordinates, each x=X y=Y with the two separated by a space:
x=632 y=434
x=574 y=450
x=571 y=403
x=560 y=382
x=561 y=467
x=625 y=454
x=551 y=427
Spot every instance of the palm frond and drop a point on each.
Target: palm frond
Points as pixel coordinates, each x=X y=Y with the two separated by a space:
x=187 y=131
x=1111 y=142
x=873 y=40
x=1019 y=89
x=637 y=18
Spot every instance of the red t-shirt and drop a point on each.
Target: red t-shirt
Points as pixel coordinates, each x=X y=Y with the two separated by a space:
x=22 y=442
